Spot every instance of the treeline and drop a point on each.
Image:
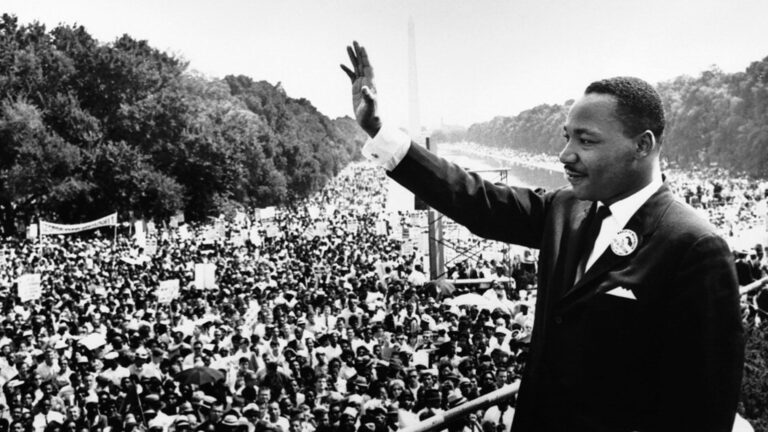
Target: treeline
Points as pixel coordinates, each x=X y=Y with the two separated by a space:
x=713 y=119
x=88 y=128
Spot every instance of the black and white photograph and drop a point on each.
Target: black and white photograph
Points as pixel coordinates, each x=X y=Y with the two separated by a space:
x=383 y=216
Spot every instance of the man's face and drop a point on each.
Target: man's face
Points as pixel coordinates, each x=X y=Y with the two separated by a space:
x=600 y=162
x=274 y=411
x=74 y=413
x=264 y=395
x=216 y=412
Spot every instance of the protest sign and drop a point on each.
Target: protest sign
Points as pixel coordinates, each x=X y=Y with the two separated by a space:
x=266 y=213
x=167 y=291
x=205 y=276
x=150 y=247
x=273 y=231
x=321 y=229
x=29 y=287
x=32 y=232
x=184 y=233
x=210 y=235
x=381 y=227
x=221 y=230
x=396 y=233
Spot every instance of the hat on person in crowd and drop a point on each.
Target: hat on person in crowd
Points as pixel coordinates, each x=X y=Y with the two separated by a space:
x=60 y=344
x=142 y=353
x=112 y=355
x=130 y=419
x=350 y=411
x=186 y=408
x=396 y=382
x=334 y=397
x=355 y=399
x=455 y=399
x=251 y=407
x=425 y=372
x=453 y=376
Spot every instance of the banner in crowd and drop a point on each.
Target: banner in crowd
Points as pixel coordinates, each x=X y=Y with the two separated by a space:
x=29 y=287
x=49 y=228
x=205 y=276
x=167 y=291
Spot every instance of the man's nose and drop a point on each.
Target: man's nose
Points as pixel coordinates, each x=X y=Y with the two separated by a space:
x=568 y=154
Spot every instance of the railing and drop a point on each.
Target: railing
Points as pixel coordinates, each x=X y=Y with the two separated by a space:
x=440 y=421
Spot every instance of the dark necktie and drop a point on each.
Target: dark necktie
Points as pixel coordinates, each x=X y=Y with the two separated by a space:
x=593 y=230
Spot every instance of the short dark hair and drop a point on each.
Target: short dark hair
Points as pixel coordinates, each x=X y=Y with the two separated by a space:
x=639 y=106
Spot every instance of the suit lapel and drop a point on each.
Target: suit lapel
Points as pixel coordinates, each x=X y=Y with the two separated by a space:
x=568 y=255
x=642 y=223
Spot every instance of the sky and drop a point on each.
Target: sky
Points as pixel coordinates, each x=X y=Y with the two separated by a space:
x=476 y=59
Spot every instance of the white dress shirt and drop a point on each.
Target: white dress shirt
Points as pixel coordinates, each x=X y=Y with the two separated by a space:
x=621 y=212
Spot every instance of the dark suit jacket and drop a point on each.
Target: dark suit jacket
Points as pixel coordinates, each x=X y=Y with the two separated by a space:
x=670 y=360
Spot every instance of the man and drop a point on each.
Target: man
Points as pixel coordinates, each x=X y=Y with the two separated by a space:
x=45 y=415
x=637 y=312
x=275 y=418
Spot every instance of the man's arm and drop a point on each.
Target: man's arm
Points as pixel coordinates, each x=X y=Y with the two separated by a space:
x=514 y=215
x=494 y=211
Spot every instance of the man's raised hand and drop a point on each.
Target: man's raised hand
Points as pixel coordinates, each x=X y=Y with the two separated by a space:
x=363 y=89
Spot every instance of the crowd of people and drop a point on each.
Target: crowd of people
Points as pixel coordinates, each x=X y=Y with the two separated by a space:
x=321 y=317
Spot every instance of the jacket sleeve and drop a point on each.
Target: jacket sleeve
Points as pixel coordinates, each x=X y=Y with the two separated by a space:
x=702 y=351
x=494 y=211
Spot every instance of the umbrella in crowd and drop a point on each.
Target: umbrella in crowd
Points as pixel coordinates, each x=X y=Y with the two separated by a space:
x=199 y=375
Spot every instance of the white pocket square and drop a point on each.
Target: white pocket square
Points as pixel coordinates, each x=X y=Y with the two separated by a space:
x=622 y=292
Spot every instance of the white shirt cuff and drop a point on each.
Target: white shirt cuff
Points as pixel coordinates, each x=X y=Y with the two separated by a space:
x=387 y=148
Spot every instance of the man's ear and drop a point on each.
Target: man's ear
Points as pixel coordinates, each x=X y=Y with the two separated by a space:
x=646 y=144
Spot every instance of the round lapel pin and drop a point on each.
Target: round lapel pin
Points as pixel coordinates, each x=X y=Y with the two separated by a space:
x=624 y=243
